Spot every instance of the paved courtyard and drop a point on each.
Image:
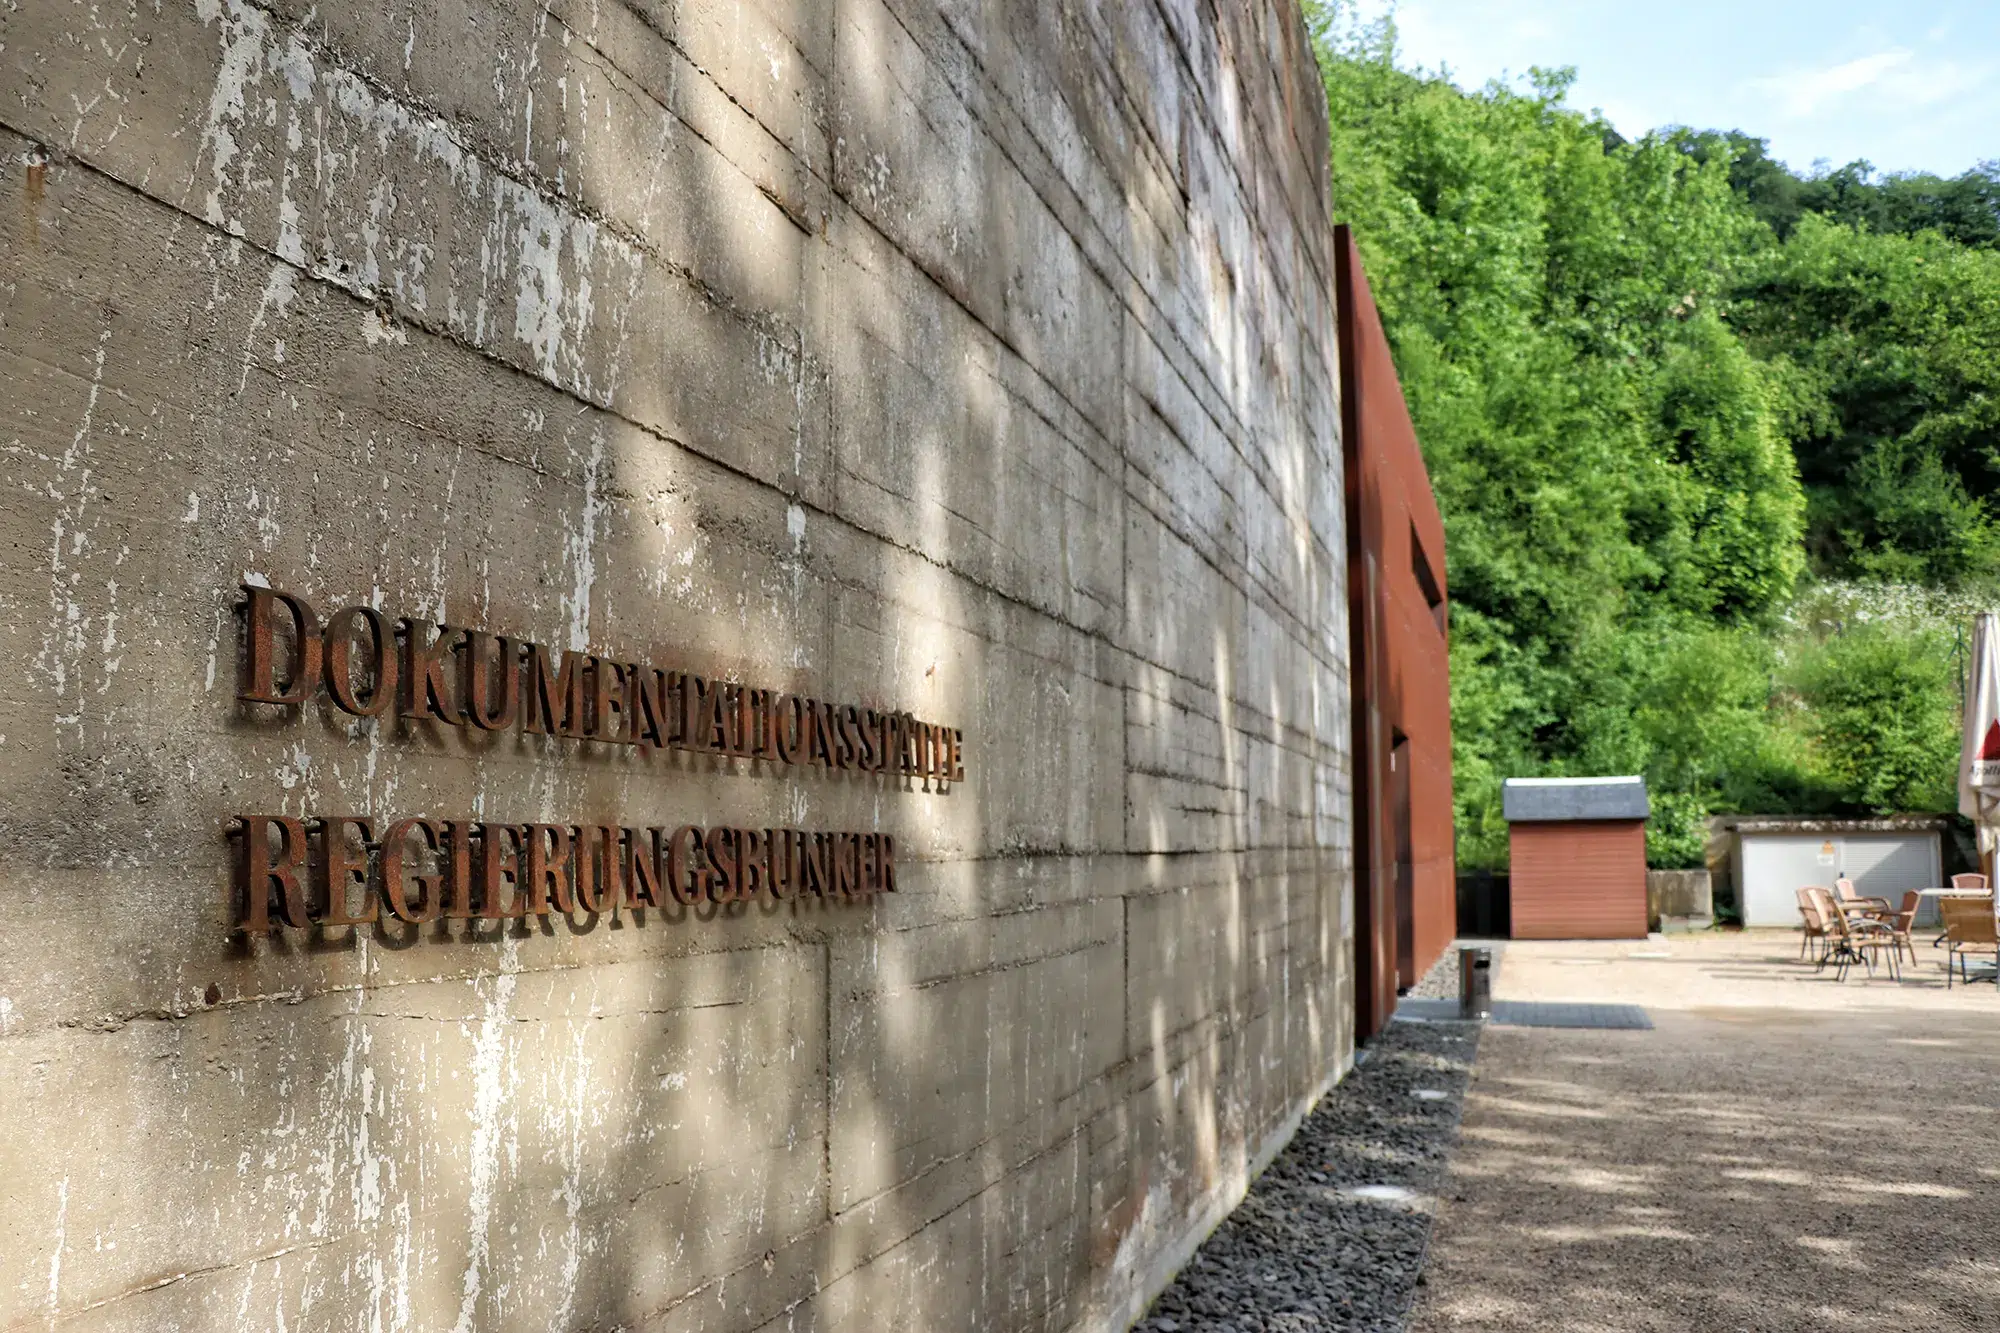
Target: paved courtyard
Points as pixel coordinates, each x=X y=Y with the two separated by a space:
x=1781 y=1151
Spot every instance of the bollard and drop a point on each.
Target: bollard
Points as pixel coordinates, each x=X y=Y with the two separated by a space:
x=1475 y=982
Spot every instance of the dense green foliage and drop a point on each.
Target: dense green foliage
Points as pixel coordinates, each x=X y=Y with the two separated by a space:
x=1885 y=354
x=1883 y=711
x=1661 y=386
x=1962 y=208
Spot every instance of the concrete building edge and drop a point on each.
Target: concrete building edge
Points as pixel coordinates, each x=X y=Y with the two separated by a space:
x=1167 y=1264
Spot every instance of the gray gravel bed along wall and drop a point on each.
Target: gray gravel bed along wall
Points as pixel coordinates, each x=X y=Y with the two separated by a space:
x=1319 y=1244
x=1441 y=982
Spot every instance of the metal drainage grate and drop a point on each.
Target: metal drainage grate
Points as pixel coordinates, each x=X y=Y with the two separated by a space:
x=1418 y=1009
x=1549 y=1014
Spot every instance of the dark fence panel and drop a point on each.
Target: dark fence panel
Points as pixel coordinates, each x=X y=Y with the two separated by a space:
x=1484 y=905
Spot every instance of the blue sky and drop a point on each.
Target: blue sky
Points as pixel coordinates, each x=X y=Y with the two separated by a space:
x=1909 y=89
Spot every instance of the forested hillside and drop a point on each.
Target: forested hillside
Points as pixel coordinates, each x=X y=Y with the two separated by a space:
x=1717 y=444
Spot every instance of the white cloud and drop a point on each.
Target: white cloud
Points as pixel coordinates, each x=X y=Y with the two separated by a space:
x=1803 y=92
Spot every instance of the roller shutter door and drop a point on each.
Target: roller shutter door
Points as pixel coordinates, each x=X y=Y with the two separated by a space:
x=1776 y=866
x=1885 y=866
x=1581 y=880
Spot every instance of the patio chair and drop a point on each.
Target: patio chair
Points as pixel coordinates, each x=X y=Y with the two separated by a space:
x=1903 y=919
x=1855 y=902
x=1970 y=927
x=1968 y=881
x=1856 y=939
x=1813 y=936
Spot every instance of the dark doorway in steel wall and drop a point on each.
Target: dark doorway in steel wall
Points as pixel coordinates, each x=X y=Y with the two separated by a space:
x=1406 y=869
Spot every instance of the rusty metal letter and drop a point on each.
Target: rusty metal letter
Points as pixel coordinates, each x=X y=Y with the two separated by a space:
x=815 y=864
x=552 y=697
x=752 y=866
x=846 y=865
x=725 y=859
x=599 y=880
x=458 y=863
x=865 y=881
x=260 y=685
x=500 y=854
x=684 y=867
x=490 y=674
x=426 y=687
x=788 y=727
x=339 y=651
x=548 y=868
x=649 y=706
x=612 y=691
x=736 y=698
x=763 y=724
x=340 y=868
x=782 y=859
x=645 y=853
x=397 y=875
x=712 y=718
x=819 y=745
x=263 y=872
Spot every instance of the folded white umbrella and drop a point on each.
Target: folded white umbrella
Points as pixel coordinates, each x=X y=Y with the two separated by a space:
x=1979 y=747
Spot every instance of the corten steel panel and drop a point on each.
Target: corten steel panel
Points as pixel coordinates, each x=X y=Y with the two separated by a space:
x=1400 y=675
x=1579 y=881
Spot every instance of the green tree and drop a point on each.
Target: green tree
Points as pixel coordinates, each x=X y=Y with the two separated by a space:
x=1883 y=712
x=1622 y=357
x=1600 y=440
x=1886 y=351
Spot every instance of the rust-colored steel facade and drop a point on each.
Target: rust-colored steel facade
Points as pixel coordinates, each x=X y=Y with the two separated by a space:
x=1579 y=879
x=1404 y=904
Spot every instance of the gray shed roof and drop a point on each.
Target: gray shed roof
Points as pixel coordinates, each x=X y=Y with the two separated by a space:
x=1526 y=800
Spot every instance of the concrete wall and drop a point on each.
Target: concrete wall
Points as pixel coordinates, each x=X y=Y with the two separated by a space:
x=975 y=361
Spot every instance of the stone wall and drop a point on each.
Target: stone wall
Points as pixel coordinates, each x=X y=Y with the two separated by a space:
x=1679 y=899
x=967 y=361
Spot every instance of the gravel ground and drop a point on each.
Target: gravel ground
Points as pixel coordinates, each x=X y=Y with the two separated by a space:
x=1305 y=1251
x=1783 y=1153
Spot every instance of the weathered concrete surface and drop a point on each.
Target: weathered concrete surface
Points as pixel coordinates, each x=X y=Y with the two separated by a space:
x=1679 y=895
x=1783 y=1152
x=970 y=360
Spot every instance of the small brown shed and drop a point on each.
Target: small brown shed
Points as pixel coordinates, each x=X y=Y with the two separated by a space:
x=1577 y=848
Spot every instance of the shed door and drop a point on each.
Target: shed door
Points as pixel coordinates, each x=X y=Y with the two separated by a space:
x=1776 y=866
x=1584 y=880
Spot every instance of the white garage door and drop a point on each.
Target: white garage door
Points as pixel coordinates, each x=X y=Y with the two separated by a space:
x=1775 y=866
x=1884 y=867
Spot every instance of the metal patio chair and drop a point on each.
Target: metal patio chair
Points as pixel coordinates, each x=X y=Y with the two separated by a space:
x=1969 y=928
x=1901 y=921
x=1856 y=939
x=1813 y=936
x=1856 y=902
